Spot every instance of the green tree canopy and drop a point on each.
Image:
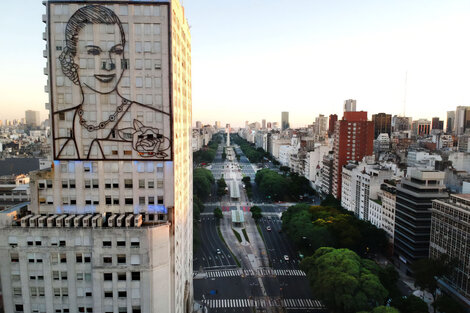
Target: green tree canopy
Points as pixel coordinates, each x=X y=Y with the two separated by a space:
x=256 y=212
x=218 y=213
x=410 y=304
x=202 y=182
x=343 y=281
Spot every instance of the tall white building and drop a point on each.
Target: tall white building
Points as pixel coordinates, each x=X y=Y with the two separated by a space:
x=32 y=118
x=360 y=184
x=349 y=105
x=110 y=224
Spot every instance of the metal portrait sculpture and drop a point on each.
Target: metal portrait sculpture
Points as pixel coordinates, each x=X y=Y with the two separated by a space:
x=103 y=78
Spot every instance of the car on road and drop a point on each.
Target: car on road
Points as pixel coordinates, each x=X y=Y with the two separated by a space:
x=286 y=257
x=268 y=228
x=218 y=251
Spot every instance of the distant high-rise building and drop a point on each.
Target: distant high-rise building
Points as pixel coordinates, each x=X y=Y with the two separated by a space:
x=275 y=125
x=198 y=124
x=353 y=139
x=32 y=118
x=461 y=117
x=246 y=124
x=217 y=124
x=321 y=124
x=450 y=231
x=332 y=123
x=269 y=125
x=349 y=105
x=263 y=124
x=437 y=123
x=382 y=124
x=110 y=228
x=413 y=214
x=421 y=127
x=450 y=121
x=401 y=123
x=285 y=120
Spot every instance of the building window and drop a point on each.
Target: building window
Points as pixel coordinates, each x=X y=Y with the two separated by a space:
x=106 y=243
x=150 y=184
x=121 y=258
x=141 y=200
x=107 y=276
x=79 y=258
x=14 y=258
x=141 y=183
x=122 y=294
x=55 y=275
x=108 y=294
x=129 y=201
x=135 y=243
x=121 y=276
x=107 y=259
x=63 y=258
x=121 y=243
x=135 y=275
x=128 y=183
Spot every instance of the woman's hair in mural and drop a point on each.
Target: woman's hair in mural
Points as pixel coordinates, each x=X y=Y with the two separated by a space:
x=90 y=14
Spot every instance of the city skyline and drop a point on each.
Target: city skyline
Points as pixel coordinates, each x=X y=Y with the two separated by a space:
x=384 y=43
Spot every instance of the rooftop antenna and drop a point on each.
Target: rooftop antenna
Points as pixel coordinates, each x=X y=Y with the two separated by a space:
x=404 y=97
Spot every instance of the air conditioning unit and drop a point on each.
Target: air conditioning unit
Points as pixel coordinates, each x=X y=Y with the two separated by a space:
x=99 y=220
x=25 y=220
x=129 y=220
x=77 y=222
x=51 y=220
x=87 y=220
x=120 y=220
x=42 y=221
x=111 y=220
x=138 y=220
x=33 y=221
x=69 y=221
x=59 y=222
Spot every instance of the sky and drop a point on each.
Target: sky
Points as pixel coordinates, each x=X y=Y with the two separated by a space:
x=252 y=59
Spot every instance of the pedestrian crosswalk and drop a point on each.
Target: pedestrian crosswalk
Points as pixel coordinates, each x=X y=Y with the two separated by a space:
x=259 y=272
x=263 y=303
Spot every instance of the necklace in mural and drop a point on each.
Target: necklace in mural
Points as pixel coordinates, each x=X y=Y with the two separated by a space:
x=101 y=125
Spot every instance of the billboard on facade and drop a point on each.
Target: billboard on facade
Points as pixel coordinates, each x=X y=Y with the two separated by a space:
x=109 y=80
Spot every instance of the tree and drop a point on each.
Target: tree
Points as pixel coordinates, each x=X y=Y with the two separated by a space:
x=218 y=213
x=426 y=272
x=382 y=309
x=202 y=182
x=285 y=169
x=388 y=276
x=256 y=212
x=410 y=304
x=343 y=281
x=446 y=304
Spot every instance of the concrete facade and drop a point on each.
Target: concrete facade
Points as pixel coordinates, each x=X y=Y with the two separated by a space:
x=137 y=196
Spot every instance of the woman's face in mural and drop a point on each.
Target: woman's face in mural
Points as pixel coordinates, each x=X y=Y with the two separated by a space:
x=100 y=62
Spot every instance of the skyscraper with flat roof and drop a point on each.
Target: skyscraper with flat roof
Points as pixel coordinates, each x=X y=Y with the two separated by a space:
x=32 y=118
x=109 y=227
x=285 y=120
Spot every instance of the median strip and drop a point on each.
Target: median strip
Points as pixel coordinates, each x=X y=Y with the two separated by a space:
x=223 y=240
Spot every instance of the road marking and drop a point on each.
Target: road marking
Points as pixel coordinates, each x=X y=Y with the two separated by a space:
x=269 y=302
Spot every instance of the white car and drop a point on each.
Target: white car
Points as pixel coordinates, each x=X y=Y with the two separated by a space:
x=286 y=257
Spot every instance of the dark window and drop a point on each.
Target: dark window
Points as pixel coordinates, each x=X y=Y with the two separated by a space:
x=135 y=275
x=108 y=294
x=136 y=309
x=106 y=243
x=122 y=294
x=135 y=244
x=88 y=294
x=62 y=243
x=121 y=258
x=63 y=258
x=107 y=259
x=15 y=258
x=89 y=310
x=79 y=258
x=87 y=259
x=38 y=243
x=121 y=243
x=107 y=276
x=18 y=307
x=30 y=243
x=129 y=201
x=81 y=309
x=108 y=199
x=121 y=276
x=88 y=201
x=116 y=201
